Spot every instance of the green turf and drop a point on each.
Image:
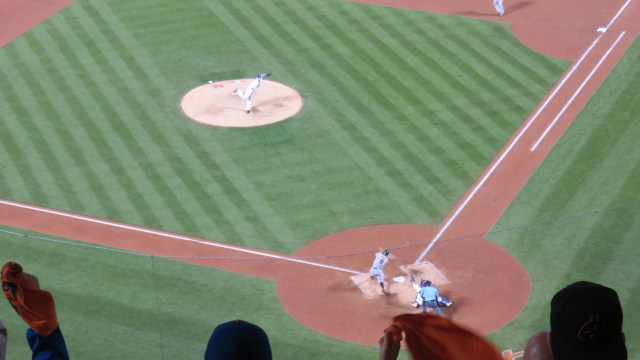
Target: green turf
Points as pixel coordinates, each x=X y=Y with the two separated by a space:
x=402 y=112
x=578 y=218
x=118 y=305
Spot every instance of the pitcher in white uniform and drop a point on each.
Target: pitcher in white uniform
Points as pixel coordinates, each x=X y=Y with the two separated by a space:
x=251 y=90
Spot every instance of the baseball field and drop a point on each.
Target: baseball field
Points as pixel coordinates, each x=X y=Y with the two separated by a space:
x=441 y=132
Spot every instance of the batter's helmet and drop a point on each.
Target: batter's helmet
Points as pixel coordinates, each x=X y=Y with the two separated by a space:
x=424 y=283
x=386 y=252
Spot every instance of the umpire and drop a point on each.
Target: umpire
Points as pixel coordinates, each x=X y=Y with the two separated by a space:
x=430 y=297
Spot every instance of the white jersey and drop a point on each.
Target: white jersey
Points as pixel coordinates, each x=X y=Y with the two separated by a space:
x=380 y=261
x=255 y=83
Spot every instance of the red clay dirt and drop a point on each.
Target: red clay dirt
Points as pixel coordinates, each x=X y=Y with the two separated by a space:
x=314 y=284
x=215 y=104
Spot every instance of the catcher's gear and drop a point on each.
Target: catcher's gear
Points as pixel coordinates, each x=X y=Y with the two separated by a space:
x=385 y=252
x=444 y=302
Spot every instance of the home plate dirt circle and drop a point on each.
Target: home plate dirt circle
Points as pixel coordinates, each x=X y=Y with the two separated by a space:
x=215 y=104
x=488 y=285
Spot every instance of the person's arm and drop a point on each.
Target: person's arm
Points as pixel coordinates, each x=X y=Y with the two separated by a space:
x=390 y=343
x=52 y=347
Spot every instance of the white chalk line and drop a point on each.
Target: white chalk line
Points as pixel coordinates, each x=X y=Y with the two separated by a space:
x=611 y=22
x=422 y=255
x=575 y=94
x=497 y=163
x=618 y=13
x=172 y=236
x=516 y=139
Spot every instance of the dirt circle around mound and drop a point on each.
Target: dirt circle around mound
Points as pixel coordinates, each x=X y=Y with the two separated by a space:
x=215 y=104
x=488 y=285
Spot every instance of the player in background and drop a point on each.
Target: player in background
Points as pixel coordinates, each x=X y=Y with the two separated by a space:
x=499 y=7
x=251 y=90
x=376 y=269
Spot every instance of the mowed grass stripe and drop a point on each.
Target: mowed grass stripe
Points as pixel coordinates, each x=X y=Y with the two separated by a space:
x=234 y=18
x=535 y=67
x=431 y=76
x=377 y=114
x=238 y=219
x=84 y=134
x=440 y=70
x=524 y=70
x=458 y=111
x=453 y=44
x=120 y=97
x=492 y=45
x=389 y=55
x=80 y=178
x=102 y=79
x=503 y=84
x=32 y=121
x=17 y=152
x=427 y=70
x=183 y=180
x=72 y=127
x=399 y=161
x=377 y=111
x=603 y=235
x=268 y=228
x=225 y=201
x=101 y=124
x=594 y=149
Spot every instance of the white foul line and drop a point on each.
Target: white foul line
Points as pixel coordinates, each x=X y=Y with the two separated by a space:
x=517 y=138
x=575 y=94
x=618 y=14
x=504 y=154
x=172 y=236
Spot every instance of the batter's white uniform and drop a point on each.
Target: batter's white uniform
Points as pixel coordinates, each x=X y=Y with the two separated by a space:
x=250 y=92
x=418 y=301
x=499 y=7
x=378 y=264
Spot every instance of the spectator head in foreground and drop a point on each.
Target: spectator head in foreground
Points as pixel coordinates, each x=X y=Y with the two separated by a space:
x=238 y=340
x=586 y=323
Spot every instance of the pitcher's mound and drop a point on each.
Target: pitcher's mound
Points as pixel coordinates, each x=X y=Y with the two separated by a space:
x=214 y=104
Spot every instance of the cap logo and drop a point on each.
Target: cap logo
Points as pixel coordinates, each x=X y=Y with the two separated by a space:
x=589 y=331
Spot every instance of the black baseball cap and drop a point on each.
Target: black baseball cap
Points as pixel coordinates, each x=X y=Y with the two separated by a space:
x=586 y=323
x=238 y=340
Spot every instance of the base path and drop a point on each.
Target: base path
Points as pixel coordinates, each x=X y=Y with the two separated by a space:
x=316 y=285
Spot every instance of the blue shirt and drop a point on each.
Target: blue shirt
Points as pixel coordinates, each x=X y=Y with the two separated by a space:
x=429 y=293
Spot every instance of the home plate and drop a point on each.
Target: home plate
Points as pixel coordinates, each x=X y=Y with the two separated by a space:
x=399 y=284
x=427 y=271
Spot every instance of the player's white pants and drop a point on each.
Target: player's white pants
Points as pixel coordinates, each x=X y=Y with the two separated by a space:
x=247 y=95
x=378 y=274
x=499 y=7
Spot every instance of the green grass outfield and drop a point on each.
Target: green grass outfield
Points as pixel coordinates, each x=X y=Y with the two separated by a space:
x=402 y=112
